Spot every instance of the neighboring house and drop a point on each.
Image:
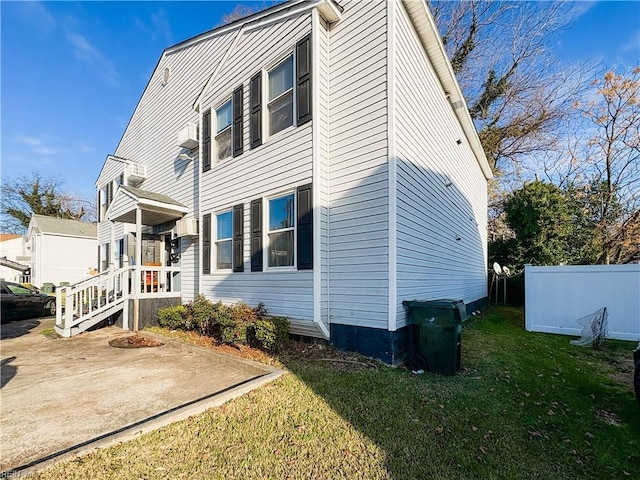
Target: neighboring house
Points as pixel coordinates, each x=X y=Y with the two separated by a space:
x=61 y=250
x=325 y=165
x=15 y=261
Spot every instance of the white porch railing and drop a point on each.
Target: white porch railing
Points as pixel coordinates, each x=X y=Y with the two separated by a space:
x=82 y=305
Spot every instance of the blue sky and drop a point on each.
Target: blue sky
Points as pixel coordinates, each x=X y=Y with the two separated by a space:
x=73 y=72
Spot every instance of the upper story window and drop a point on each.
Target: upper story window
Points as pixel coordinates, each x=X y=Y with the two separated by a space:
x=288 y=95
x=281 y=231
x=223 y=130
x=106 y=193
x=280 y=96
x=224 y=231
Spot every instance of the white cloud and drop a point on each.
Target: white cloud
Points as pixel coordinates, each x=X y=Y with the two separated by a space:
x=634 y=43
x=48 y=150
x=37 y=14
x=30 y=141
x=161 y=26
x=41 y=147
x=87 y=52
x=157 y=28
x=580 y=8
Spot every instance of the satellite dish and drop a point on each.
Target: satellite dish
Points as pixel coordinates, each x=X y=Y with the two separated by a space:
x=506 y=271
x=497 y=268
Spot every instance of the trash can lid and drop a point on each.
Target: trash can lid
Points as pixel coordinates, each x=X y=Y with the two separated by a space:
x=439 y=303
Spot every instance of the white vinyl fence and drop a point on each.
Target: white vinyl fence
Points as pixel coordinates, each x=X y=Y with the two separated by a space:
x=555 y=297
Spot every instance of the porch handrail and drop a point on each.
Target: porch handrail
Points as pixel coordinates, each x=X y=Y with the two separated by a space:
x=92 y=296
x=101 y=293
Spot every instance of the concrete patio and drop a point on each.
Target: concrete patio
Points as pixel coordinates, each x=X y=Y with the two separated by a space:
x=64 y=397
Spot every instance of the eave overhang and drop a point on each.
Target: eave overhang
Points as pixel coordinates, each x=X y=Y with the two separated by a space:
x=430 y=38
x=155 y=208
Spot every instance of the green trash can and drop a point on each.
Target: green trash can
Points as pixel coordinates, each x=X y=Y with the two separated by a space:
x=437 y=331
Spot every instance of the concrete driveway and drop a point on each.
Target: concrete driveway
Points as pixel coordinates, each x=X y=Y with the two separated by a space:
x=63 y=397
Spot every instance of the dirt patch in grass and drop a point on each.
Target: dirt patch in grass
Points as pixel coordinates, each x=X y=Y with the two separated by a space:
x=623 y=371
x=134 y=341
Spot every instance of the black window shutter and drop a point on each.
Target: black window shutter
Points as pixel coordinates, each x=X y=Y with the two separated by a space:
x=206 y=243
x=255 y=110
x=206 y=141
x=110 y=193
x=122 y=179
x=237 y=121
x=98 y=208
x=303 y=80
x=256 y=235
x=238 y=238
x=305 y=228
x=108 y=254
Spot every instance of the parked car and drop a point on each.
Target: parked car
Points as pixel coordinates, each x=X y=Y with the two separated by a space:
x=18 y=301
x=636 y=373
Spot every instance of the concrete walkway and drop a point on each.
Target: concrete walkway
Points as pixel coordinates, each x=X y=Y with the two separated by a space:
x=64 y=397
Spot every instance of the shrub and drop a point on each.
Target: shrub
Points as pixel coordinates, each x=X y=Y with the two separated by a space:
x=237 y=324
x=201 y=311
x=269 y=333
x=233 y=329
x=173 y=317
x=260 y=310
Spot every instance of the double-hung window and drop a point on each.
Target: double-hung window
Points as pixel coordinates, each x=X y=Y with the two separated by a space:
x=281 y=232
x=280 y=96
x=223 y=130
x=224 y=237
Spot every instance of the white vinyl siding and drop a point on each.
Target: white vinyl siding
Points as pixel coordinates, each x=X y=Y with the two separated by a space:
x=62 y=258
x=150 y=137
x=111 y=170
x=358 y=171
x=279 y=165
x=441 y=192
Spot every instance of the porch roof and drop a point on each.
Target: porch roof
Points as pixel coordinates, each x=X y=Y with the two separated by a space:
x=156 y=208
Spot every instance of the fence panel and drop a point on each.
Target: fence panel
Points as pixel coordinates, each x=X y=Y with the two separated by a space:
x=555 y=297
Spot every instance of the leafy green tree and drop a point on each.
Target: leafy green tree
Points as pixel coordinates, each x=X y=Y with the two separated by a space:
x=539 y=215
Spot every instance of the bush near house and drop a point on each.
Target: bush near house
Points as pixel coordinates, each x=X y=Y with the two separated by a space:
x=234 y=324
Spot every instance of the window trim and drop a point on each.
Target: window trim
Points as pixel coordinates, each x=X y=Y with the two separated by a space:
x=266 y=244
x=228 y=128
x=217 y=241
x=266 y=125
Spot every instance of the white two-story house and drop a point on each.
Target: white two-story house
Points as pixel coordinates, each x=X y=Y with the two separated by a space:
x=317 y=156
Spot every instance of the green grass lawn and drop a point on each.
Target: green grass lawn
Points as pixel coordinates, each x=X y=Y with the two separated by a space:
x=524 y=405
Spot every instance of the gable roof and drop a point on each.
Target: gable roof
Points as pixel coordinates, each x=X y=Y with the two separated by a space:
x=142 y=195
x=330 y=9
x=155 y=208
x=63 y=226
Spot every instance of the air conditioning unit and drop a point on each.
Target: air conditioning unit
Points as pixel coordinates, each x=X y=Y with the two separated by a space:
x=187 y=227
x=188 y=136
x=135 y=173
